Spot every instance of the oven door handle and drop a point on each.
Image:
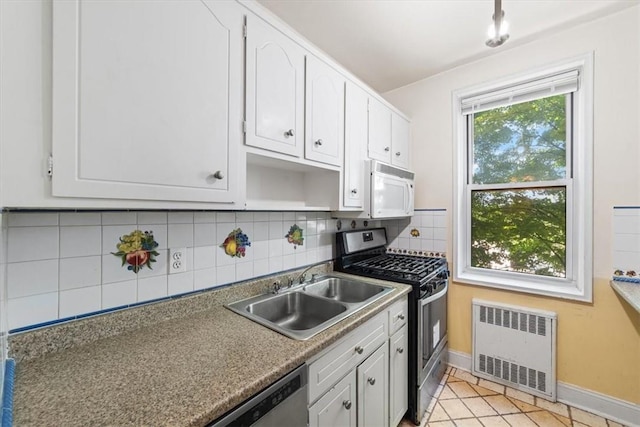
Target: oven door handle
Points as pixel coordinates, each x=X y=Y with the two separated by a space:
x=435 y=297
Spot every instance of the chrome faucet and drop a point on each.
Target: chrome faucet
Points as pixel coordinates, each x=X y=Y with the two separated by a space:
x=275 y=287
x=302 y=277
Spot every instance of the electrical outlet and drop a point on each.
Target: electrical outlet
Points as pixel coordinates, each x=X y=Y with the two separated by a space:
x=177 y=260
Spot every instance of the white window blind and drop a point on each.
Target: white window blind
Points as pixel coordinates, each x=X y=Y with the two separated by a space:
x=557 y=84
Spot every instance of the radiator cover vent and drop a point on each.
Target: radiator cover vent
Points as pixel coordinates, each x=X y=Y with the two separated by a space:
x=515 y=346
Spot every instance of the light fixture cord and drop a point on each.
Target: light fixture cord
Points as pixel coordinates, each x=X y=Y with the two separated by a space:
x=497 y=16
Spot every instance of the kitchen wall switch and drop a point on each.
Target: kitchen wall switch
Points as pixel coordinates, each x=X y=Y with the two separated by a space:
x=177 y=260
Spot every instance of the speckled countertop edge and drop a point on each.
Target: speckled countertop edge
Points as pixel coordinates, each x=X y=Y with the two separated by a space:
x=184 y=371
x=630 y=292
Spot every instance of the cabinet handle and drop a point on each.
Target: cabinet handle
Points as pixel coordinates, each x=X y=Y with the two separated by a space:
x=359 y=350
x=346 y=404
x=289 y=132
x=371 y=380
x=398 y=154
x=218 y=175
x=400 y=350
x=354 y=191
x=401 y=316
x=318 y=142
x=386 y=148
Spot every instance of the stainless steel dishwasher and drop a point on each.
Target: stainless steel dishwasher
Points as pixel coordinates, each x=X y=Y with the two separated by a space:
x=283 y=403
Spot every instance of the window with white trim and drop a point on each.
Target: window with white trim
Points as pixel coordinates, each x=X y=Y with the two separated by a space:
x=523 y=204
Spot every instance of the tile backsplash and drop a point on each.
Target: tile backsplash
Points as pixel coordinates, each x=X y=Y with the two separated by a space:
x=626 y=243
x=425 y=231
x=60 y=265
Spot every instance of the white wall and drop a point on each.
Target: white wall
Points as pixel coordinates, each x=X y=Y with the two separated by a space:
x=598 y=343
x=616 y=43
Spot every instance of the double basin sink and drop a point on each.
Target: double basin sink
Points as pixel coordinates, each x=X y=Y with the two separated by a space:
x=308 y=309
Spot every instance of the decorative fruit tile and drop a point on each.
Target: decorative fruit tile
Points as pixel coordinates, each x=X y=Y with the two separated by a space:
x=137 y=250
x=294 y=236
x=236 y=243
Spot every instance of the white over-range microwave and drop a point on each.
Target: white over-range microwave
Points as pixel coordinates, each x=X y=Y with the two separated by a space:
x=390 y=191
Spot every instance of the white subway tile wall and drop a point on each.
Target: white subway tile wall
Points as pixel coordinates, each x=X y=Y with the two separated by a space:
x=61 y=265
x=426 y=231
x=626 y=243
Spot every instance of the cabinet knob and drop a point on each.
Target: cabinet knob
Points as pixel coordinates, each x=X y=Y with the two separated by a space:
x=318 y=142
x=346 y=404
x=400 y=350
x=386 y=148
x=371 y=380
x=218 y=175
x=398 y=154
x=359 y=350
x=354 y=191
x=289 y=132
x=401 y=316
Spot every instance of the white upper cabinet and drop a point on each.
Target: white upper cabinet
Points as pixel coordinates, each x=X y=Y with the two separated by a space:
x=274 y=89
x=355 y=148
x=324 y=126
x=147 y=99
x=379 y=131
x=399 y=141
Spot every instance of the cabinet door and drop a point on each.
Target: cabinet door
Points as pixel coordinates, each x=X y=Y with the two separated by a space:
x=275 y=89
x=355 y=145
x=324 y=126
x=379 y=131
x=337 y=408
x=398 y=375
x=373 y=390
x=399 y=141
x=147 y=99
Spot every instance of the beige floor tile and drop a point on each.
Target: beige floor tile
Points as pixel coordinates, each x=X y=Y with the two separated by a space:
x=483 y=391
x=453 y=379
x=466 y=376
x=463 y=389
x=447 y=393
x=438 y=414
x=441 y=424
x=564 y=420
x=519 y=420
x=469 y=422
x=431 y=404
x=456 y=409
x=520 y=395
x=614 y=424
x=523 y=406
x=587 y=418
x=557 y=408
x=479 y=407
x=501 y=404
x=491 y=386
x=493 y=422
x=545 y=419
x=578 y=424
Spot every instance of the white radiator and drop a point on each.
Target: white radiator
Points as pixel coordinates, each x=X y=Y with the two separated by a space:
x=515 y=346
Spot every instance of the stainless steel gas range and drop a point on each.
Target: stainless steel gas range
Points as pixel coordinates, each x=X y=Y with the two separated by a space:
x=364 y=253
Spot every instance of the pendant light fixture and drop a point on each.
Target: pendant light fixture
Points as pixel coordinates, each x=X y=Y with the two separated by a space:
x=498 y=29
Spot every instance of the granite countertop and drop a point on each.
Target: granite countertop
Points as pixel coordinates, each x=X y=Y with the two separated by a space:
x=629 y=291
x=186 y=371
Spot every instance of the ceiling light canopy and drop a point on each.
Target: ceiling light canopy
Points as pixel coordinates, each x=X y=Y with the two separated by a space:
x=498 y=30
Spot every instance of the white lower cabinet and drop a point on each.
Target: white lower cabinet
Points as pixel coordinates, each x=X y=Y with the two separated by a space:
x=398 y=375
x=373 y=389
x=361 y=380
x=338 y=406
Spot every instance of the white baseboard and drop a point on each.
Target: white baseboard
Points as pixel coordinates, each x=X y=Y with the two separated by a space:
x=609 y=407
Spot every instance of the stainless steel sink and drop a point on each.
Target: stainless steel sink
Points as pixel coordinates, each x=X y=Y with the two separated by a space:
x=344 y=290
x=308 y=309
x=296 y=310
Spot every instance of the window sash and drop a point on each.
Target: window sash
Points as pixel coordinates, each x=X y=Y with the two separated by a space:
x=557 y=84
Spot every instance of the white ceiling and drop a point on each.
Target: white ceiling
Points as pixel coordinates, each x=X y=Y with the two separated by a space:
x=391 y=43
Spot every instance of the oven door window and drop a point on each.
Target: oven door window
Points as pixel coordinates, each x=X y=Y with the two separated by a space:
x=434 y=326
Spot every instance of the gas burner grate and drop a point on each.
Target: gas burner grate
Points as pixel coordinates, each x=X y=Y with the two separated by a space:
x=403 y=267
